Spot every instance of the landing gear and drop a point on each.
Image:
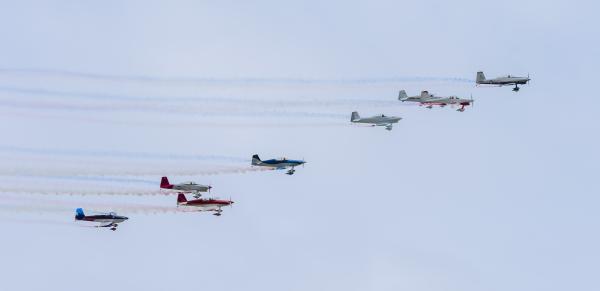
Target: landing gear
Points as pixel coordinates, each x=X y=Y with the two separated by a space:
x=516 y=88
x=218 y=212
x=113 y=227
x=291 y=171
x=461 y=109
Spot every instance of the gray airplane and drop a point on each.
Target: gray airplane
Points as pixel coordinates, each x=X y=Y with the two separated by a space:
x=187 y=187
x=377 y=120
x=502 y=81
x=429 y=100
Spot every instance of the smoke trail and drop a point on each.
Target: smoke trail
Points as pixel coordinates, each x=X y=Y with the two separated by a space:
x=128 y=172
x=93 y=208
x=173 y=110
x=163 y=101
x=125 y=180
x=82 y=192
x=241 y=81
x=181 y=123
x=35 y=204
x=121 y=154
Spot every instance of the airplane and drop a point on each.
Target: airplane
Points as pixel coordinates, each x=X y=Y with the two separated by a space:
x=502 y=81
x=107 y=219
x=377 y=120
x=204 y=204
x=278 y=164
x=188 y=187
x=429 y=100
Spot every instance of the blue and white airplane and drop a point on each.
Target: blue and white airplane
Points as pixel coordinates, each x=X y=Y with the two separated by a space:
x=106 y=219
x=278 y=164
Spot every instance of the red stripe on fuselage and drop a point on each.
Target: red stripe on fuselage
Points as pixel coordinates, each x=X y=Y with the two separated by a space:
x=202 y=202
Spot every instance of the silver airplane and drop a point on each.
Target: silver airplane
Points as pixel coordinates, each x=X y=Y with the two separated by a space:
x=186 y=187
x=377 y=120
x=502 y=81
x=429 y=100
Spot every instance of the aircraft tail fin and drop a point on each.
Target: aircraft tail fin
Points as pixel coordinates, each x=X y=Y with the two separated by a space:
x=354 y=116
x=402 y=95
x=256 y=160
x=164 y=183
x=480 y=77
x=79 y=215
x=181 y=198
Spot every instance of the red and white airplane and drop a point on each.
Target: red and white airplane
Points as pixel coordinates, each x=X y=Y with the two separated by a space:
x=429 y=100
x=204 y=204
x=187 y=187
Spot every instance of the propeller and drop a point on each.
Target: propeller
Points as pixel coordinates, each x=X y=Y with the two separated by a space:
x=472 y=101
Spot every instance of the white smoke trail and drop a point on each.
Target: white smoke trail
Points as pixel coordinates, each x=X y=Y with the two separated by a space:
x=120 y=154
x=165 y=101
x=194 y=123
x=28 y=203
x=68 y=208
x=79 y=192
x=213 y=80
x=16 y=171
x=190 y=111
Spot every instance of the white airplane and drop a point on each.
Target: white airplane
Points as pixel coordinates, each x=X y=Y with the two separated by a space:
x=502 y=81
x=188 y=187
x=377 y=120
x=429 y=100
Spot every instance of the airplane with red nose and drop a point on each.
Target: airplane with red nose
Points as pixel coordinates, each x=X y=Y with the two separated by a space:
x=204 y=204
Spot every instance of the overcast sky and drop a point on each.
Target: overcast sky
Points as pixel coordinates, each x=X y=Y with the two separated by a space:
x=102 y=98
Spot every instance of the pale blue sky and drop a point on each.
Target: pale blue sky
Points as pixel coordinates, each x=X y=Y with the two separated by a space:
x=500 y=197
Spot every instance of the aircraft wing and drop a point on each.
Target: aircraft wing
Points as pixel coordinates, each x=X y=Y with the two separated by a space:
x=387 y=125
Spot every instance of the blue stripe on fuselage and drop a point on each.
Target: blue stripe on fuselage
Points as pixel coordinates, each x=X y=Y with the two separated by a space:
x=282 y=162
